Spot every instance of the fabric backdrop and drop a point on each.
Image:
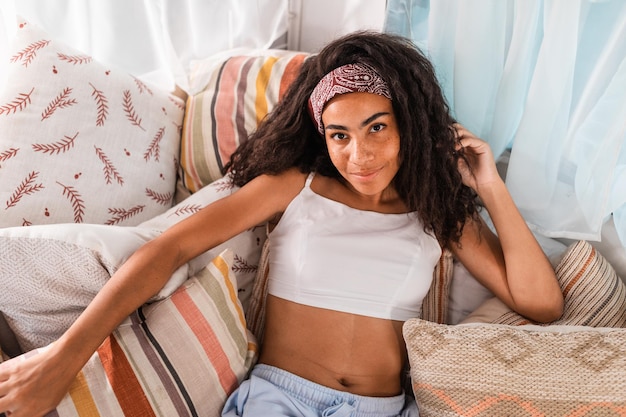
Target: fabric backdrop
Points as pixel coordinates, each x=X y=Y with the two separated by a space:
x=547 y=79
x=155 y=40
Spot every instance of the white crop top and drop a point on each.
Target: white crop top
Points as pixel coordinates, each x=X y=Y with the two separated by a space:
x=328 y=255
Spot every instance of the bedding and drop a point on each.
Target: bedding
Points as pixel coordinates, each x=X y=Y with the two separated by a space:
x=73 y=261
x=477 y=369
x=148 y=362
x=232 y=94
x=593 y=293
x=179 y=356
x=73 y=130
x=497 y=362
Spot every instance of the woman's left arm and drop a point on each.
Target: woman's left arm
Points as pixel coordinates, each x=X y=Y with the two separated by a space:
x=512 y=264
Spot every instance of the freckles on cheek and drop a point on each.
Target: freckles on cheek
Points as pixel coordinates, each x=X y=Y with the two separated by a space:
x=333 y=152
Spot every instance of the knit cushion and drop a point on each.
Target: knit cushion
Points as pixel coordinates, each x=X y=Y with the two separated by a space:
x=594 y=294
x=73 y=261
x=497 y=370
x=181 y=356
x=232 y=95
x=82 y=142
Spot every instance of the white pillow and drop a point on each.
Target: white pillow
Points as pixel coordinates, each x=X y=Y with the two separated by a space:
x=82 y=142
x=50 y=273
x=247 y=246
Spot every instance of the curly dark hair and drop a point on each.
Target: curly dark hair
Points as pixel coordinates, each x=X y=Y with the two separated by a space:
x=428 y=180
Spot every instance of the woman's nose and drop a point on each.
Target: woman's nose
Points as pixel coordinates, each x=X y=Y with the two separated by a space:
x=360 y=151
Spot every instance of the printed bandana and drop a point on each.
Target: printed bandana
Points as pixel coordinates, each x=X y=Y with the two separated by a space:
x=350 y=78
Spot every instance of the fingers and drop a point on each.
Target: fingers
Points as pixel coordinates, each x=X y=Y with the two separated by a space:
x=464 y=136
x=465 y=139
x=461 y=131
x=4 y=388
x=11 y=404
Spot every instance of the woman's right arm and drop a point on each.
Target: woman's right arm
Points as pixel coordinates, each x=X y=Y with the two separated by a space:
x=35 y=385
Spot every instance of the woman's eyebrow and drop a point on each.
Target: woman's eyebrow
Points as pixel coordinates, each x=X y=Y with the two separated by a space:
x=373 y=117
x=363 y=123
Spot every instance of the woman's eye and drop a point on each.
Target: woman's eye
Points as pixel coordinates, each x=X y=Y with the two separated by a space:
x=338 y=136
x=377 y=127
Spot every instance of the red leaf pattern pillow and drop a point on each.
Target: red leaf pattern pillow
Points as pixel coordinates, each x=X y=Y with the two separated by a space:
x=81 y=142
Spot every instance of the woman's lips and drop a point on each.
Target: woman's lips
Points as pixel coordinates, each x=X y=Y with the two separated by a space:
x=366 y=175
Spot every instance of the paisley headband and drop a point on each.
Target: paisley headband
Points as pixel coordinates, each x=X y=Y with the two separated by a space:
x=350 y=78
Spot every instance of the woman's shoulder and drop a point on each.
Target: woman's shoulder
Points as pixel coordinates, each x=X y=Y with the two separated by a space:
x=280 y=188
x=290 y=178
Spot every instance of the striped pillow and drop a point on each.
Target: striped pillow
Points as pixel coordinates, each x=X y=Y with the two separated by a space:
x=594 y=294
x=435 y=304
x=234 y=95
x=181 y=356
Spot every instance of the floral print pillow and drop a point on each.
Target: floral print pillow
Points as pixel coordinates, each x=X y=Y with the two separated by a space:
x=81 y=142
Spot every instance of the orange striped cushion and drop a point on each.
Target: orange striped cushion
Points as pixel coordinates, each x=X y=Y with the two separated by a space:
x=181 y=356
x=235 y=94
x=594 y=295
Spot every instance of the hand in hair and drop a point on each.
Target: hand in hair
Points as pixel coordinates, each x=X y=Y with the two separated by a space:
x=476 y=164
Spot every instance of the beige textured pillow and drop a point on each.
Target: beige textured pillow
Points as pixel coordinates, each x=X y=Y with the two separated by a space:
x=497 y=370
x=82 y=142
x=73 y=261
x=180 y=356
x=594 y=294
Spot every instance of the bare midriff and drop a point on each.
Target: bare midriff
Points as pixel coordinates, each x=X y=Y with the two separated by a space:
x=347 y=352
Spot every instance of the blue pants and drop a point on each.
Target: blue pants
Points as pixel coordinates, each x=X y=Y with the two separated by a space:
x=271 y=391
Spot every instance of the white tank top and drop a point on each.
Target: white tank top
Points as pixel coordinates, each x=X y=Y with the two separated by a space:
x=328 y=255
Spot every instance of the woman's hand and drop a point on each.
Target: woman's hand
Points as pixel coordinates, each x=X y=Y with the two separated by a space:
x=478 y=168
x=33 y=384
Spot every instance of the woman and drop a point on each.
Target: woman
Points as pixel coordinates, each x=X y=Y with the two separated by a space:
x=366 y=177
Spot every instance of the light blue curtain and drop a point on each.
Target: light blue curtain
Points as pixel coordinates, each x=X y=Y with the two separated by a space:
x=547 y=80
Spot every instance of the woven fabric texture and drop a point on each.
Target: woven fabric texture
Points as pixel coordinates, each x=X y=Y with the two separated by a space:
x=496 y=370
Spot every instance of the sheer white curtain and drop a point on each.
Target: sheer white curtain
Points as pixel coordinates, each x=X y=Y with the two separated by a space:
x=546 y=78
x=152 y=39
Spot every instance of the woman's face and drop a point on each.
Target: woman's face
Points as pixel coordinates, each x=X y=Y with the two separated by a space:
x=363 y=140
